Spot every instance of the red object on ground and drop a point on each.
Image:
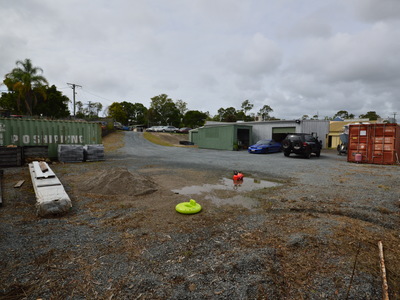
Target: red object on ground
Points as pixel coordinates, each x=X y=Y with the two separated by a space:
x=238 y=176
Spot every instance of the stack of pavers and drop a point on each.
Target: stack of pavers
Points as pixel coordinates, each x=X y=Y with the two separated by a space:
x=94 y=152
x=70 y=153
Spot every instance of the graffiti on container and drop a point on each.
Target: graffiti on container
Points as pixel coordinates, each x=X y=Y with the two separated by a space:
x=47 y=139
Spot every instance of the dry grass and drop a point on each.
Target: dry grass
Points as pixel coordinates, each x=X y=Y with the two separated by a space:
x=113 y=141
x=156 y=139
x=354 y=233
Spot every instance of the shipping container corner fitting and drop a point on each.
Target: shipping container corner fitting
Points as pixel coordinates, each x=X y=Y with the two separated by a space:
x=374 y=144
x=32 y=132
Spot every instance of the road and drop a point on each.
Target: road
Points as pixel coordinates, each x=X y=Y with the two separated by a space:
x=144 y=152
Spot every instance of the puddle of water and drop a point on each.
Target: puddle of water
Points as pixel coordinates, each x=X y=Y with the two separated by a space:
x=248 y=184
x=226 y=184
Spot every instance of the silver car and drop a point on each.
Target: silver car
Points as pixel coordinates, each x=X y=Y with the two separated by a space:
x=169 y=129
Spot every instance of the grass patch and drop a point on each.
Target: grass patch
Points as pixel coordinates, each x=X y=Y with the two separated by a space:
x=113 y=141
x=155 y=139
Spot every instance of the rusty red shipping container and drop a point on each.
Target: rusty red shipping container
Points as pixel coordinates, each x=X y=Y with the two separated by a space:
x=374 y=144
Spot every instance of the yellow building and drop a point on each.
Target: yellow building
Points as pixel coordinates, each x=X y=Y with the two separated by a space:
x=337 y=127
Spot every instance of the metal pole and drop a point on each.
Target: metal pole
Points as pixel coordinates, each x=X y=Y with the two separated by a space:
x=73 y=85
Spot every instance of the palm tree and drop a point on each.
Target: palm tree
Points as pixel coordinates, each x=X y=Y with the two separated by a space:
x=26 y=81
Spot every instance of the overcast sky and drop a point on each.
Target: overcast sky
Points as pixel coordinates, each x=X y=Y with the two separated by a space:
x=299 y=57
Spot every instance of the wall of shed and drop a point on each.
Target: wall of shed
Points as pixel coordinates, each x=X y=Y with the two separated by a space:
x=219 y=137
x=31 y=132
x=320 y=127
x=194 y=136
x=263 y=130
x=222 y=137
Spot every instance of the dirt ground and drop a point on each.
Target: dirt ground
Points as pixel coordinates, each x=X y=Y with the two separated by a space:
x=122 y=240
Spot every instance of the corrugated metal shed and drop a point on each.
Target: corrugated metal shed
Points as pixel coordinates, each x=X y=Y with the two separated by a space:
x=30 y=132
x=224 y=137
x=278 y=129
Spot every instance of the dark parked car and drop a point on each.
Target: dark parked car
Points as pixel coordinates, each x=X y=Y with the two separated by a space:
x=301 y=143
x=185 y=130
x=265 y=146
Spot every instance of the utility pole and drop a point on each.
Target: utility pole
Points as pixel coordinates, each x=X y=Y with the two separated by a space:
x=73 y=85
x=90 y=108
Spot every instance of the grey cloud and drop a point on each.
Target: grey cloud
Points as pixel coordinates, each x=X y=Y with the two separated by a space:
x=254 y=57
x=368 y=57
x=309 y=27
x=377 y=10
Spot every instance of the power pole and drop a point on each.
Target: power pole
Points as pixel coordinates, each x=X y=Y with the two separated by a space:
x=73 y=85
x=90 y=108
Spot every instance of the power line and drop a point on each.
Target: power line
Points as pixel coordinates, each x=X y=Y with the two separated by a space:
x=86 y=91
x=73 y=86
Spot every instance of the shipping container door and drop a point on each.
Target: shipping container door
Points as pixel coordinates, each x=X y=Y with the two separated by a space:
x=382 y=146
x=358 y=142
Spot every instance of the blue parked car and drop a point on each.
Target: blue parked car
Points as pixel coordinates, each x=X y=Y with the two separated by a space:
x=265 y=146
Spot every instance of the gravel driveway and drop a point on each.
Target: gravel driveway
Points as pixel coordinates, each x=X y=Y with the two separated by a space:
x=314 y=236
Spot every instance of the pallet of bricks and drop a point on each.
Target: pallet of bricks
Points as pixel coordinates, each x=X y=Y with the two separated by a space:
x=79 y=153
x=11 y=156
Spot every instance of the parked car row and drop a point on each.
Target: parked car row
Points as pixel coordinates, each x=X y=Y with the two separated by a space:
x=168 y=129
x=299 y=143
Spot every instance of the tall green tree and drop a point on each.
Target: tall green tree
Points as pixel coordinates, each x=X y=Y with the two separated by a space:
x=264 y=112
x=8 y=101
x=226 y=115
x=163 y=111
x=194 y=118
x=371 y=115
x=138 y=114
x=89 y=111
x=27 y=82
x=92 y=109
x=242 y=114
x=343 y=114
x=80 y=114
x=53 y=105
x=181 y=106
x=117 y=112
x=247 y=106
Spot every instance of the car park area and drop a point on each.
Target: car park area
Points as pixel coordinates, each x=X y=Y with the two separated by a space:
x=313 y=235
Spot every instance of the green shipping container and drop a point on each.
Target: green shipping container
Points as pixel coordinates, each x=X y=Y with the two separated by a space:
x=30 y=132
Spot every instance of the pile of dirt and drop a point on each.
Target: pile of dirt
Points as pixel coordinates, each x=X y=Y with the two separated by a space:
x=118 y=181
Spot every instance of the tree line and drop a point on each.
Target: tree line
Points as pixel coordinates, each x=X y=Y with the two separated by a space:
x=29 y=93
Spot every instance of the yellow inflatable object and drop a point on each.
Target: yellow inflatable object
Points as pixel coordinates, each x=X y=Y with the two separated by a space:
x=188 y=208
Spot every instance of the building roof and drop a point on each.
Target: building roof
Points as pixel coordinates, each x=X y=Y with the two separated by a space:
x=337 y=126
